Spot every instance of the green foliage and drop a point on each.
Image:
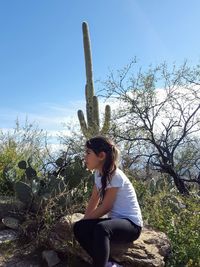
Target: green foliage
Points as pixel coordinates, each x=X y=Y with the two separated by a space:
x=8 y=157
x=73 y=171
x=37 y=190
x=63 y=196
x=19 y=143
x=185 y=235
x=178 y=217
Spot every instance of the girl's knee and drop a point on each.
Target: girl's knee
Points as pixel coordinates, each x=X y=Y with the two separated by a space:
x=77 y=227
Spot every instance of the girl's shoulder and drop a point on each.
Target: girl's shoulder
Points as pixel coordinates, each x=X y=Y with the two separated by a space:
x=119 y=174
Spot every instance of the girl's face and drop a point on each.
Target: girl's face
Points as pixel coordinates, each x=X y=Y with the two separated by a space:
x=93 y=161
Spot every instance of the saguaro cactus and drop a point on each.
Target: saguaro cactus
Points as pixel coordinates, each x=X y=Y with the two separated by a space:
x=92 y=126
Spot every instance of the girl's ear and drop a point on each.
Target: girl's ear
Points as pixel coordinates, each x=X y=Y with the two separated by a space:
x=102 y=155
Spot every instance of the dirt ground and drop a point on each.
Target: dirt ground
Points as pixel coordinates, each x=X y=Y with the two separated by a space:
x=15 y=257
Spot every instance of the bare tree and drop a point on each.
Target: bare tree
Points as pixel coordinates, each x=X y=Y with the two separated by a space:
x=159 y=114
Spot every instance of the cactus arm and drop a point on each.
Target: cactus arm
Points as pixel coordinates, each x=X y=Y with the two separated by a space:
x=95 y=114
x=82 y=121
x=107 y=119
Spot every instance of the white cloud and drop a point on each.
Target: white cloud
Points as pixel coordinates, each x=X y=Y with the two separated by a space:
x=47 y=116
x=50 y=117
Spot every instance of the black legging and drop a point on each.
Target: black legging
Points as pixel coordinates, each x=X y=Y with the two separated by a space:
x=94 y=235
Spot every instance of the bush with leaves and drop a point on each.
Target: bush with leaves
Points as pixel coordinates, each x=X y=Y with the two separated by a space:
x=20 y=143
x=63 y=191
x=178 y=217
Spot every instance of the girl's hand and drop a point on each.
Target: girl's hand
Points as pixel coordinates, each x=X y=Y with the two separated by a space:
x=93 y=202
x=106 y=206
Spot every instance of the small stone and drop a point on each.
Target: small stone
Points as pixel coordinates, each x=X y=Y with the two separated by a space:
x=11 y=222
x=7 y=235
x=51 y=257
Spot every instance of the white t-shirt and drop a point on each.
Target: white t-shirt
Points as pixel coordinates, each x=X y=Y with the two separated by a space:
x=126 y=203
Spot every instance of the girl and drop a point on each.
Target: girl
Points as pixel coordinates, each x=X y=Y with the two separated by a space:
x=112 y=194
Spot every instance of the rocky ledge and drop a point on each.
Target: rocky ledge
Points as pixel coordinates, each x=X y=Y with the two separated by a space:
x=150 y=250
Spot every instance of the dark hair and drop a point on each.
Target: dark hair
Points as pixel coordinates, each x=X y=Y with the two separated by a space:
x=102 y=144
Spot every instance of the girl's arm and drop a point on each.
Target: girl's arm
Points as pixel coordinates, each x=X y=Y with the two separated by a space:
x=105 y=207
x=93 y=202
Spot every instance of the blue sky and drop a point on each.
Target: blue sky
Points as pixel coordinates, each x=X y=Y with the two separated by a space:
x=42 y=72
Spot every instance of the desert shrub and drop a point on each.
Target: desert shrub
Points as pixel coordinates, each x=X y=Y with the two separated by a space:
x=22 y=142
x=64 y=190
x=178 y=217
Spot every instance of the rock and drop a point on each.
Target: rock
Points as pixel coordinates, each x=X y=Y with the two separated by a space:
x=23 y=261
x=7 y=236
x=24 y=264
x=51 y=257
x=10 y=206
x=150 y=250
x=2 y=226
x=10 y=222
x=62 y=233
x=1 y=259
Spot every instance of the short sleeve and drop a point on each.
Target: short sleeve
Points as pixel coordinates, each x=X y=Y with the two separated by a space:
x=97 y=180
x=116 y=181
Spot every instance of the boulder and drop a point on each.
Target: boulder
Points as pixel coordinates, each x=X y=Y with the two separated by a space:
x=11 y=222
x=150 y=250
x=10 y=206
x=7 y=236
x=51 y=257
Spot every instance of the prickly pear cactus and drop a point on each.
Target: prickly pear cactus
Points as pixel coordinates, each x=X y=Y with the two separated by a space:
x=24 y=193
x=156 y=185
x=152 y=186
x=22 y=165
x=92 y=126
